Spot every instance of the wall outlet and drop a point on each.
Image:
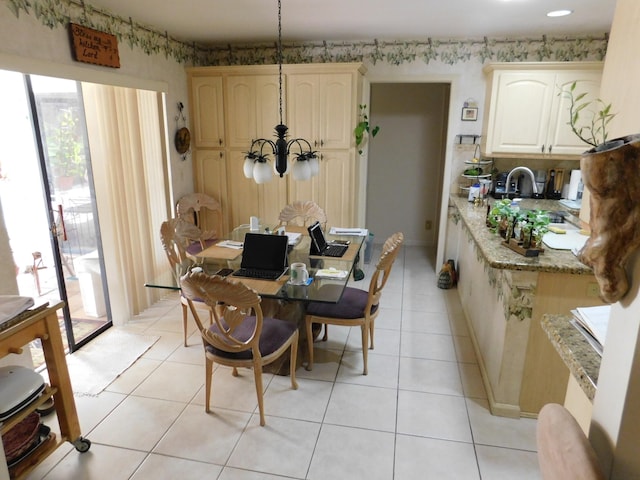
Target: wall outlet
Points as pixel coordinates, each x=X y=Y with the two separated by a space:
x=593 y=290
x=428 y=225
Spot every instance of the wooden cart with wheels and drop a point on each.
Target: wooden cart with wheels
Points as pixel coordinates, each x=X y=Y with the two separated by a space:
x=42 y=323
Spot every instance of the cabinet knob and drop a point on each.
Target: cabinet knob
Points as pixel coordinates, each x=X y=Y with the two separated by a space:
x=550 y=148
x=315 y=143
x=220 y=141
x=542 y=149
x=322 y=143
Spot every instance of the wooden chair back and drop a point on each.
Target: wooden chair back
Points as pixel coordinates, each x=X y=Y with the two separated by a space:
x=232 y=304
x=172 y=245
x=382 y=272
x=302 y=213
x=202 y=217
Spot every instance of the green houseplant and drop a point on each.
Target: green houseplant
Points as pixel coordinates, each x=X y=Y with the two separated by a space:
x=363 y=128
x=611 y=174
x=593 y=133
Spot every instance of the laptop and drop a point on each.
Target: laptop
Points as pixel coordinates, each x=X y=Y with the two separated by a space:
x=263 y=256
x=319 y=245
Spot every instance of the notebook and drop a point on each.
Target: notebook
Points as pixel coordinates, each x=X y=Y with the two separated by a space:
x=263 y=256
x=319 y=245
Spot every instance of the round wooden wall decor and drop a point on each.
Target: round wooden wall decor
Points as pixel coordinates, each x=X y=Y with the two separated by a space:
x=182 y=140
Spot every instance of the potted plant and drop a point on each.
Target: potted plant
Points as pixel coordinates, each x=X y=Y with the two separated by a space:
x=500 y=217
x=363 y=129
x=611 y=173
x=537 y=224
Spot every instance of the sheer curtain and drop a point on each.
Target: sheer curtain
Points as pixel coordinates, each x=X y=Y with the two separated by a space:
x=128 y=157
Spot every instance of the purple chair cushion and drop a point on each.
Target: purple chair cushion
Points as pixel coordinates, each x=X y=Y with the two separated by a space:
x=195 y=248
x=351 y=305
x=275 y=333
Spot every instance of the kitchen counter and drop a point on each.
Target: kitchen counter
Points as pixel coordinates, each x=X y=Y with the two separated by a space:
x=501 y=257
x=576 y=352
x=504 y=296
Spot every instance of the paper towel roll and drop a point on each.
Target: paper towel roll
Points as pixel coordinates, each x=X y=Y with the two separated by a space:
x=574 y=182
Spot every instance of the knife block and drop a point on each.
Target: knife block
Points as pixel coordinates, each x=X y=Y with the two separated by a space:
x=555 y=181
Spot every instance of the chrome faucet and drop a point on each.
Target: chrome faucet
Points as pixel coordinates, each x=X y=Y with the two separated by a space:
x=507 y=183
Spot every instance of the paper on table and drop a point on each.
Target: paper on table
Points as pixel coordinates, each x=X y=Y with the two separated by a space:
x=331 y=273
x=230 y=244
x=293 y=237
x=360 y=232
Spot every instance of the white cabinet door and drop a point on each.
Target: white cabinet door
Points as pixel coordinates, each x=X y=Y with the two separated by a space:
x=522 y=108
x=561 y=139
x=320 y=109
x=208 y=111
x=211 y=178
x=252 y=108
x=336 y=190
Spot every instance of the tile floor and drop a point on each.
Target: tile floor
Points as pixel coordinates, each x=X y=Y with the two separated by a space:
x=422 y=411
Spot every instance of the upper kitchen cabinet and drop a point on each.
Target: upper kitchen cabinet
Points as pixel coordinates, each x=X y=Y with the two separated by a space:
x=321 y=107
x=252 y=108
x=526 y=115
x=208 y=111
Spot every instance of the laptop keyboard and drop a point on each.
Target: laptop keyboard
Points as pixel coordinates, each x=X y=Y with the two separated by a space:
x=257 y=273
x=334 y=251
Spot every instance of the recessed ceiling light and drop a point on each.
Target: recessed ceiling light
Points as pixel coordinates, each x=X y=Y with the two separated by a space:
x=559 y=13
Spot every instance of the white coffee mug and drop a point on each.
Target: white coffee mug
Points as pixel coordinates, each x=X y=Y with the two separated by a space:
x=299 y=274
x=254 y=224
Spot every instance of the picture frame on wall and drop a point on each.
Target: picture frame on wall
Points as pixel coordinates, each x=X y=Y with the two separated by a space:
x=470 y=114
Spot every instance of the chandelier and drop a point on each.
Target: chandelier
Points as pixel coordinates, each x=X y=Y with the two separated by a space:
x=256 y=161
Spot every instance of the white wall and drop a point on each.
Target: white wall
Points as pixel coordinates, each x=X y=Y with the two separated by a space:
x=406 y=160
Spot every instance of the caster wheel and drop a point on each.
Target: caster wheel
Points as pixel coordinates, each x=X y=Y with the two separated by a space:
x=82 y=444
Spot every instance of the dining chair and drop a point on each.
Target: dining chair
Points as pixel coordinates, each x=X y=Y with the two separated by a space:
x=357 y=307
x=240 y=335
x=302 y=213
x=174 y=249
x=564 y=451
x=196 y=211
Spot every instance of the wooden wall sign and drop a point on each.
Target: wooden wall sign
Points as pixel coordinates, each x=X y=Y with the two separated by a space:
x=93 y=46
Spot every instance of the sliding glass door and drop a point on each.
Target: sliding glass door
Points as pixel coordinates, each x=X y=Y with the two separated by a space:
x=48 y=199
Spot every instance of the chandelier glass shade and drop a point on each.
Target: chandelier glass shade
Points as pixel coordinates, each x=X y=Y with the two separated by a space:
x=256 y=161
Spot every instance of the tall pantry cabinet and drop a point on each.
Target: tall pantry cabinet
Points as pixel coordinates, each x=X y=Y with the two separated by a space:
x=231 y=106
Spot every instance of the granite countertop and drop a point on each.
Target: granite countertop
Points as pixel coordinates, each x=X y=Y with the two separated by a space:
x=576 y=352
x=499 y=256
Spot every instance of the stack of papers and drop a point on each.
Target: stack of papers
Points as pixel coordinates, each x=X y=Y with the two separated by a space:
x=293 y=237
x=230 y=244
x=332 y=273
x=592 y=322
x=359 y=232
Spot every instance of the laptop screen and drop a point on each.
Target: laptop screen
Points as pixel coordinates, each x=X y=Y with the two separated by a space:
x=264 y=252
x=317 y=237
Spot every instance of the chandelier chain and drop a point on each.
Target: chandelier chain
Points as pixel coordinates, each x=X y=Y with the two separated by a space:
x=280 y=56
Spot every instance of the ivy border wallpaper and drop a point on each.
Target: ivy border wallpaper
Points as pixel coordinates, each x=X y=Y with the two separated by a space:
x=58 y=14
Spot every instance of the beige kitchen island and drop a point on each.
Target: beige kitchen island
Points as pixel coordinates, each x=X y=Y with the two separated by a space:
x=504 y=296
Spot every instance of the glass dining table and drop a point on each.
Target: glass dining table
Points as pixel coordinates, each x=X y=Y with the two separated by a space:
x=328 y=276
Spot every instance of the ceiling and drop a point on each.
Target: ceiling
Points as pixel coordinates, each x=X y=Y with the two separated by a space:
x=249 y=21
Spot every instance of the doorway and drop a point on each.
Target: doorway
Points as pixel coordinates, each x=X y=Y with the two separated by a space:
x=406 y=160
x=48 y=200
